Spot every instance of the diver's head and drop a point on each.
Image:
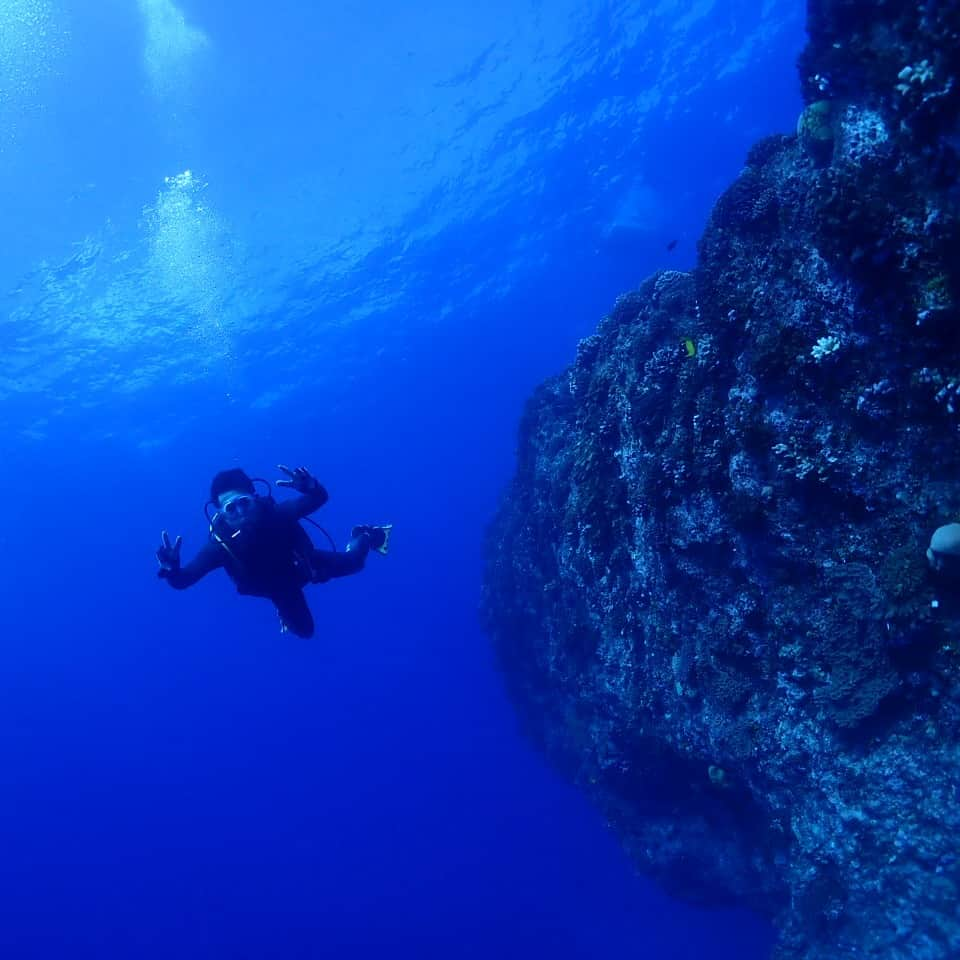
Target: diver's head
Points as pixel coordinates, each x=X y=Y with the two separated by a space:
x=235 y=496
x=237 y=507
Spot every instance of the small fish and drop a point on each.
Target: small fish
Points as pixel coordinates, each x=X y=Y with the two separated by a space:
x=691 y=347
x=672 y=244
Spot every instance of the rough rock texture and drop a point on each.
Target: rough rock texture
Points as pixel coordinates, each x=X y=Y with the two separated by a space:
x=707 y=584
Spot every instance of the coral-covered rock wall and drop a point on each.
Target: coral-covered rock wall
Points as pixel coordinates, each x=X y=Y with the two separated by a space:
x=707 y=583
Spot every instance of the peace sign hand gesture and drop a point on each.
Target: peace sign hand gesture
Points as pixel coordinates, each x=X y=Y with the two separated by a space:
x=168 y=554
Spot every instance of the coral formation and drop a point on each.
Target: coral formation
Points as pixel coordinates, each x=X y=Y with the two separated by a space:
x=707 y=583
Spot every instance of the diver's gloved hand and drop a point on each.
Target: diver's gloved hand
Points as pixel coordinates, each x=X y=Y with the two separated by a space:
x=168 y=554
x=379 y=537
x=301 y=480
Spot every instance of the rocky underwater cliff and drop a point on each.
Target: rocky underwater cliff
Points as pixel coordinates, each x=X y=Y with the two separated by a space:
x=707 y=584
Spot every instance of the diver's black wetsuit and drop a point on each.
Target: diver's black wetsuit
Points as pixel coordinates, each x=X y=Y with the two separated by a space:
x=274 y=557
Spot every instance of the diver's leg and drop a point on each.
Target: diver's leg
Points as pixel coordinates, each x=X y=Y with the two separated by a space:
x=294 y=613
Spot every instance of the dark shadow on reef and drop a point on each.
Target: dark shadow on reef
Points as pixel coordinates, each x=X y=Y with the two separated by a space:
x=707 y=583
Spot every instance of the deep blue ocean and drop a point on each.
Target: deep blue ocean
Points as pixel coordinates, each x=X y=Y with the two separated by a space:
x=354 y=237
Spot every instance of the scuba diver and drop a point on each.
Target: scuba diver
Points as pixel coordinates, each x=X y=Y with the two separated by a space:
x=264 y=548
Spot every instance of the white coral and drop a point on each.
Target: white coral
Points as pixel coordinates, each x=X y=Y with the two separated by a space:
x=824 y=347
x=917 y=74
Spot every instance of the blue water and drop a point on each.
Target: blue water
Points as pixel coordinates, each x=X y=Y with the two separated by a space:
x=397 y=220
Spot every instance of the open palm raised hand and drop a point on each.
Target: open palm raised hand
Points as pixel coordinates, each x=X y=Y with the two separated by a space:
x=300 y=479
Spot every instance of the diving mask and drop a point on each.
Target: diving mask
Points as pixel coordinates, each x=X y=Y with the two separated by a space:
x=238 y=507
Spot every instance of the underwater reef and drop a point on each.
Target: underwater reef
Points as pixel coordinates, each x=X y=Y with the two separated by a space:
x=707 y=585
